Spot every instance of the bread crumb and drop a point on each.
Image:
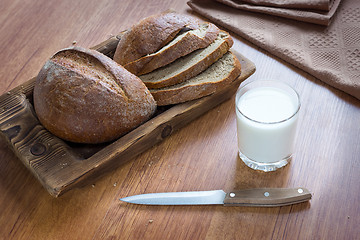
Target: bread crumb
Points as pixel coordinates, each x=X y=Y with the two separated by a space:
x=151 y=221
x=74 y=42
x=93 y=185
x=8 y=93
x=115 y=184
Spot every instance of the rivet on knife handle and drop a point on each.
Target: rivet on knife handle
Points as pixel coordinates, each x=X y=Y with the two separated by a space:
x=267 y=197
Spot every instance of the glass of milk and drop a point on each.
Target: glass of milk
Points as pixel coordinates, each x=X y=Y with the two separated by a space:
x=267 y=114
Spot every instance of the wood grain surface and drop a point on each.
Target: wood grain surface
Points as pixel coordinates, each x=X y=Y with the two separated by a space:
x=200 y=156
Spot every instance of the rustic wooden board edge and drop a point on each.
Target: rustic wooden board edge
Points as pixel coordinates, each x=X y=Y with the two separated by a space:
x=54 y=163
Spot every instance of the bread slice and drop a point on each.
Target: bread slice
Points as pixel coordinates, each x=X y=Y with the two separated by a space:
x=190 y=65
x=182 y=45
x=217 y=76
x=150 y=34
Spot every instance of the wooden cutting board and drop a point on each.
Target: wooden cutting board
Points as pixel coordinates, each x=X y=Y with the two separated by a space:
x=60 y=166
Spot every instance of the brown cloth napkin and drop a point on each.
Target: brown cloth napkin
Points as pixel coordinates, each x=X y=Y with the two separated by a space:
x=306 y=4
x=332 y=54
x=307 y=14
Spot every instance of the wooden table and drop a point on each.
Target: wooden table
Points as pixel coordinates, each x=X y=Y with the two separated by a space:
x=200 y=156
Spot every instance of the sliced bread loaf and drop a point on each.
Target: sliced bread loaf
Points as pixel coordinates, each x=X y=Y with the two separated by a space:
x=182 y=45
x=217 y=76
x=190 y=65
x=151 y=34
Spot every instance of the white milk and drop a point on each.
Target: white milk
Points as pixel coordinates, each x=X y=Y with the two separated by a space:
x=266 y=124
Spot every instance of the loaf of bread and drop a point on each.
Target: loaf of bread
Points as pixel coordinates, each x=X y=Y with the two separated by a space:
x=83 y=96
x=183 y=44
x=214 y=78
x=194 y=64
x=151 y=34
x=190 y=65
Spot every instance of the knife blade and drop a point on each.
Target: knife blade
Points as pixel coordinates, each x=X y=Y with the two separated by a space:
x=257 y=197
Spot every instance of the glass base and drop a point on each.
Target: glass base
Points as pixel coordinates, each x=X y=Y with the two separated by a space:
x=266 y=167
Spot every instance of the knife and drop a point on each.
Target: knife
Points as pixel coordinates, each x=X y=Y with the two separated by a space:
x=258 y=197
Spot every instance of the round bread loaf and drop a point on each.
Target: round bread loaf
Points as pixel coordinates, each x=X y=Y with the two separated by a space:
x=83 y=96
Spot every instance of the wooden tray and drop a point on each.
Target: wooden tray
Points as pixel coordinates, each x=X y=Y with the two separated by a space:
x=61 y=165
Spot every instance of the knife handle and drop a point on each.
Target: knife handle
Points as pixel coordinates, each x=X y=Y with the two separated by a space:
x=267 y=197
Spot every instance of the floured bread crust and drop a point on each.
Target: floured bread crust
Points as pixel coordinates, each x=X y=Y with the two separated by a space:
x=178 y=47
x=82 y=96
x=151 y=34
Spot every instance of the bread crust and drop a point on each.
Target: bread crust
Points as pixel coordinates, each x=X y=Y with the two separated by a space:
x=185 y=92
x=186 y=45
x=196 y=68
x=82 y=96
x=151 y=34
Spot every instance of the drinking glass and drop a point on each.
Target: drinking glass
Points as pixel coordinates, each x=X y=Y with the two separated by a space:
x=267 y=115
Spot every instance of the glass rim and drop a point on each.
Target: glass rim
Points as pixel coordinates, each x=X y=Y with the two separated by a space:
x=268 y=81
